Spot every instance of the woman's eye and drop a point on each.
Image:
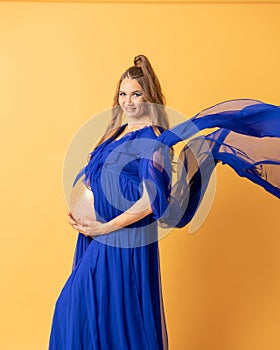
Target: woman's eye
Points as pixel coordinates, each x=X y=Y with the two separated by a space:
x=137 y=94
x=134 y=94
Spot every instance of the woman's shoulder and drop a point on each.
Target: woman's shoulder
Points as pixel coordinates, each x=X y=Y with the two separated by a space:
x=151 y=131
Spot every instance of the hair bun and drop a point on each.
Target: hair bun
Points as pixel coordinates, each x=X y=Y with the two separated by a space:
x=138 y=60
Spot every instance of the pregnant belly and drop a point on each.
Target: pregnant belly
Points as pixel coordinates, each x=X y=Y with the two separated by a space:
x=81 y=202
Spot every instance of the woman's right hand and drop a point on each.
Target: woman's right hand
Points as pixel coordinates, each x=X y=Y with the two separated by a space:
x=72 y=221
x=91 y=228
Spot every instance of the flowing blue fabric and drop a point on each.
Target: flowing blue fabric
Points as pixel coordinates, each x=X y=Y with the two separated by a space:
x=247 y=139
x=113 y=298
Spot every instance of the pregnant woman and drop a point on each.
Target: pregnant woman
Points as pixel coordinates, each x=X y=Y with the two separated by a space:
x=113 y=298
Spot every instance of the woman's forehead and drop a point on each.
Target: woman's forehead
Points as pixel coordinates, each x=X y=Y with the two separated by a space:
x=130 y=85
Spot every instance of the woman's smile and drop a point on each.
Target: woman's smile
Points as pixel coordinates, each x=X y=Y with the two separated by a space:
x=132 y=101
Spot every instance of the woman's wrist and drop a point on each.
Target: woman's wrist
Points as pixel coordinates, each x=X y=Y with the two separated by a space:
x=110 y=226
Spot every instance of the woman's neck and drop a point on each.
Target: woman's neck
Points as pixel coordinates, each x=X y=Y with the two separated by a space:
x=138 y=122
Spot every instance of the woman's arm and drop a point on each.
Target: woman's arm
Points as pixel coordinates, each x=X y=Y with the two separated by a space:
x=136 y=212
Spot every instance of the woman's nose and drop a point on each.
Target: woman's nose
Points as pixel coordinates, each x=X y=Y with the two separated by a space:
x=128 y=99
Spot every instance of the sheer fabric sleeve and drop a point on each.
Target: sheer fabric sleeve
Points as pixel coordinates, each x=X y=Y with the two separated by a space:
x=247 y=139
x=155 y=172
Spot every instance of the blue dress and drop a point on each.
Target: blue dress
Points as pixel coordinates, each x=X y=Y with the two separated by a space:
x=113 y=298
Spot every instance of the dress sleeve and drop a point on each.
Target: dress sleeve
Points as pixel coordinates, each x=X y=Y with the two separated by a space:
x=247 y=138
x=155 y=172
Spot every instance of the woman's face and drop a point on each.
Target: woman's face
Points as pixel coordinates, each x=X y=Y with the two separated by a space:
x=131 y=99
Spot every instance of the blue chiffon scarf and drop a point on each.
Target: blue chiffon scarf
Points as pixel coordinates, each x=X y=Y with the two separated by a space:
x=246 y=138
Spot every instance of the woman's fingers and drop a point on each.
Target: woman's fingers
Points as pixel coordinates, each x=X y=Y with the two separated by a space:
x=89 y=228
x=71 y=220
x=79 y=226
x=74 y=223
x=77 y=220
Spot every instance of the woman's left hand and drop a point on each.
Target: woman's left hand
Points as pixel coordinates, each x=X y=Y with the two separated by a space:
x=90 y=228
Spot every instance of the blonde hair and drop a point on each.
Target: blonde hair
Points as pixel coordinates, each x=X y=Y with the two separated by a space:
x=144 y=74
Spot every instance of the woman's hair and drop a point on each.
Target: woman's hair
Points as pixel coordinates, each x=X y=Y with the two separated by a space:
x=144 y=74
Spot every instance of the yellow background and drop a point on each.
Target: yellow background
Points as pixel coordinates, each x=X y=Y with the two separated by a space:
x=59 y=64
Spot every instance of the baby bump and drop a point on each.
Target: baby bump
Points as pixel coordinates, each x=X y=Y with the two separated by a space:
x=81 y=201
